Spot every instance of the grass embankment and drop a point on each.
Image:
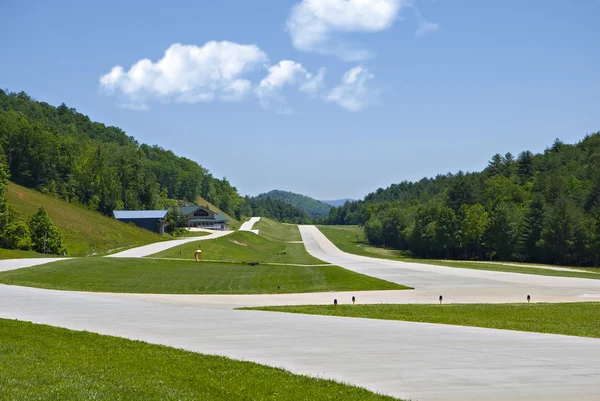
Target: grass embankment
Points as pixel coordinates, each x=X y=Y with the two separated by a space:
x=129 y=275
x=277 y=231
x=351 y=239
x=574 y=319
x=243 y=247
x=17 y=254
x=85 y=232
x=43 y=362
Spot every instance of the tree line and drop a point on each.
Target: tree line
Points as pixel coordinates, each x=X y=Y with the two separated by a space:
x=542 y=208
x=61 y=152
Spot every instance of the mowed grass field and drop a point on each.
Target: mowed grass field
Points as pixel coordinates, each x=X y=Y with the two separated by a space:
x=243 y=247
x=351 y=239
x=574 y=319
x=130 y=275
x=85 y=232
x=17 y=254
x=277 y=231
x=39 y=362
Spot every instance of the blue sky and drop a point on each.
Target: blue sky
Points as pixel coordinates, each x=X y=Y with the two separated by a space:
x=328 y=98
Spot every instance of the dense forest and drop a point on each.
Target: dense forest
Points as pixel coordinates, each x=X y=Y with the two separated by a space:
x=312 y=207
x=61 y=152
x=536 y=208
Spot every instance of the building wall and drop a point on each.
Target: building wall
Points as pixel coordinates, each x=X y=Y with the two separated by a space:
x=148 y=224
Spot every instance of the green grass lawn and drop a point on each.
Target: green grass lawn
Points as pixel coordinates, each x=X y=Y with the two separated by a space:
x=130 y=275
x=17 y=254
x=574 y=319
x=85 y=232
x=243 y=247
x=277 y=231
x=192 y=234
x=39 y=362
x=351 y=239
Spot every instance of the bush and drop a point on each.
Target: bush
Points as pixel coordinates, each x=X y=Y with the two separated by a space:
x=17 y=236
x=45 y=236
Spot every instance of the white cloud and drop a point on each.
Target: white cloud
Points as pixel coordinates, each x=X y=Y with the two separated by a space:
x=353 y=94
x=286 y=73
x=188 y=74
x=426 y=27
x=315 y=24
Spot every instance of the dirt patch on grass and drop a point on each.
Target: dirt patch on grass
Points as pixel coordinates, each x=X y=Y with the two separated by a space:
x=238 y=242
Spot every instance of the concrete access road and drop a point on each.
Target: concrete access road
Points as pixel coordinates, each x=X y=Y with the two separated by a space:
x=454 y=284
x=417 y=361
x=151 y=249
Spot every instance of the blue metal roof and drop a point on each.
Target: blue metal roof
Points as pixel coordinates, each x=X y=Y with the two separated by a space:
x=140 y=214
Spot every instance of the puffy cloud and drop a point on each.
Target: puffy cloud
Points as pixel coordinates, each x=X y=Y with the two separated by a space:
x=290 y=73
x=314 y=24
x=353 y=94
x=188 y=73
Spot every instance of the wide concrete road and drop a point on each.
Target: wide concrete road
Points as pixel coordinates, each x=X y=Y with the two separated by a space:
x=151 y=249
x=415 y=361
x=247 y=226
x=455 y=285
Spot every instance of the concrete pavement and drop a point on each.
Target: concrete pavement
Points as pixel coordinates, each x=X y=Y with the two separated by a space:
x=151 y=249
x=247 y=226
x=408 y=360
x=456 y=285
x=419 y=361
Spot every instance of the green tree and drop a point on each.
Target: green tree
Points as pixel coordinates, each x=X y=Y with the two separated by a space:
x=45 y=235
x=559 y=230
x=503 y=235
x=4 y=212
x=374 y=231
x=175 y=220
x=525 y=168
x=16 y=236
x=532 y=229
x=473 y=227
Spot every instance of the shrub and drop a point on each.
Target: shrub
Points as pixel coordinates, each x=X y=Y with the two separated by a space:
x=45 y=235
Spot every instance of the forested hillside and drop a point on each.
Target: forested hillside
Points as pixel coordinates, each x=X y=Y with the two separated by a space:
x=312 y=207
x=536 y=208
x=60 y=151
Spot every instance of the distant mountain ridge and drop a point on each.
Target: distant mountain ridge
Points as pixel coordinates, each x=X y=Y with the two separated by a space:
x=338 y=202
x=312 y=207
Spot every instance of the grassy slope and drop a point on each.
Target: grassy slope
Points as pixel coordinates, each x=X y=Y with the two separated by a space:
x=85 y=232
x=576 y=319
x=243 y=247
x=17 y=254
x=345 y=238
x=232 y=224
x=43 y=362
x=186 y=277
x=278 y=231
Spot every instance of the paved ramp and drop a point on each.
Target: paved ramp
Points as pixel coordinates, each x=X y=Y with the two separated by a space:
x=151 y=249
x=417 y=361
x=247 y=226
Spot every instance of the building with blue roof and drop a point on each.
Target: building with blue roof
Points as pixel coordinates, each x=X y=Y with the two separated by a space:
x=153 y=220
